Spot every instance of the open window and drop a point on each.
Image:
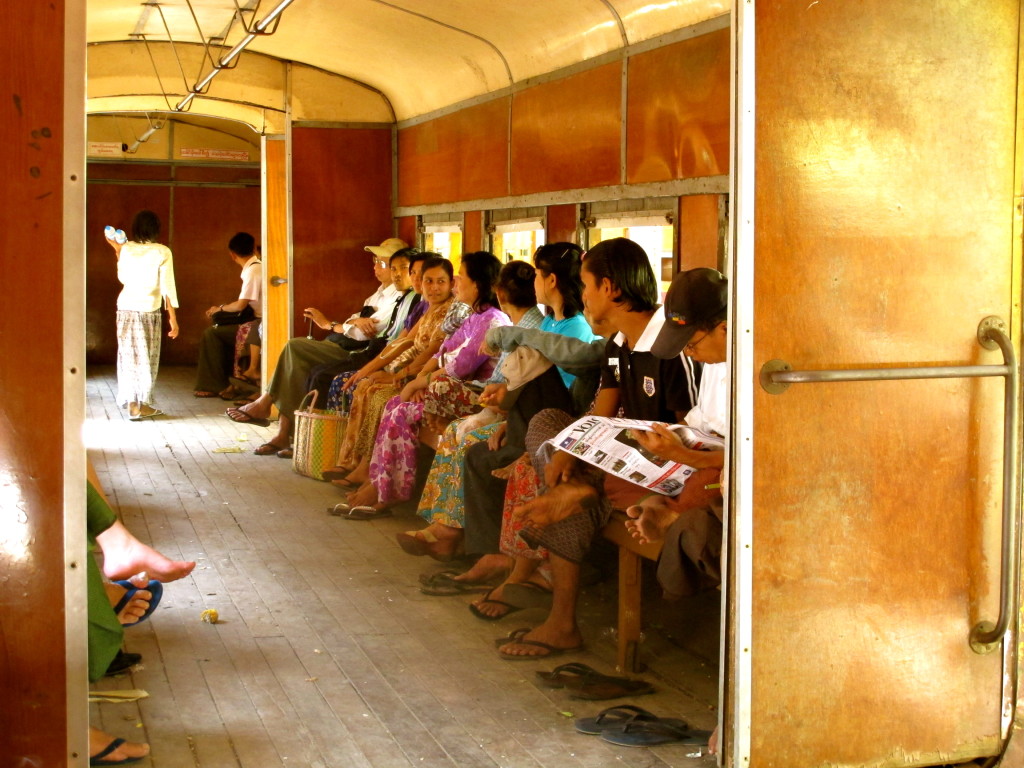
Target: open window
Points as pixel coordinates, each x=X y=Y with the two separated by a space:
x=516 y=233
x=442 y=233
x=648 y=222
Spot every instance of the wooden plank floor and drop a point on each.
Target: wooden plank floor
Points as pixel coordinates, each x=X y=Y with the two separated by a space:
x=327 y=653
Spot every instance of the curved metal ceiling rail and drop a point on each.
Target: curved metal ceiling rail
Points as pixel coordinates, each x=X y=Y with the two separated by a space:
x=618 y=20
x=261 y=28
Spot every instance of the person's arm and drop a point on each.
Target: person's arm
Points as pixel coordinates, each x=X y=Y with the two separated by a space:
x=665 y=443
x=232 y=306
x=561 y=467
x=567 y=352
x=172 y=318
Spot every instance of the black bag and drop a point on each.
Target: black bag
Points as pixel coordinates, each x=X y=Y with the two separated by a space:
x=233 y=318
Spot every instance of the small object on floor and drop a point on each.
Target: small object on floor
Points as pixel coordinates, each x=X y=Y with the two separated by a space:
x=209 y=616
x=475 y=609
x=366 y=512
x=228 y=449
x=268 y=449
x=616 y=718
x=587 y=683
x=99 y=757
x=201 y=393
x=528 y=594
x=239 y=416
x=117 y=697
x=122 y=662
x=155 y=588
x=285 y=453
x=654 y=733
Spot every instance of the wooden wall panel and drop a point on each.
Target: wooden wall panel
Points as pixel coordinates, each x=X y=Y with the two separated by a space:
x=461 y=156
x=32 y=648
x=566 y=133
x=407 y=229
x=473 y=231
x=204 y=272
x=562 y=223
x=341 y=202
x=698 y=231
x=231 y=175
x=678 y=110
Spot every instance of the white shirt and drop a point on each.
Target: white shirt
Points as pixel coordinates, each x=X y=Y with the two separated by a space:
x=146 y=270
x=252 y=284
x=383 y=301
x=711 y=414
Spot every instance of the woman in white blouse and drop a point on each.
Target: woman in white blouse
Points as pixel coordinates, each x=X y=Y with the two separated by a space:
x=146 y=270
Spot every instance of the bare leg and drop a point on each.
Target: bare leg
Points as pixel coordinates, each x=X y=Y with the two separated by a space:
x=98 y=741
x=487 y=567
x=253 y=371
x=124 y=555
x=559 y=629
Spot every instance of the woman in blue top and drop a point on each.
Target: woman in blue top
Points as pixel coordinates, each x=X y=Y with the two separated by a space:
x=560 y=289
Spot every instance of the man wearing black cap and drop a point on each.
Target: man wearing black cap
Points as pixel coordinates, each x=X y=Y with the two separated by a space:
x=620 y=288
x=690 y=524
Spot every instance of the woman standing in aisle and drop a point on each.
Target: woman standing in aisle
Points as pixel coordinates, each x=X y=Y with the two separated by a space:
x=146 y=270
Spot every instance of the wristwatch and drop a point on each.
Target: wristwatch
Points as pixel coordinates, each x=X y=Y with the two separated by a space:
x=333 y=323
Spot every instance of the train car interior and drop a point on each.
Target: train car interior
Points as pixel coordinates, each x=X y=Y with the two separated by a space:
x=854 y=169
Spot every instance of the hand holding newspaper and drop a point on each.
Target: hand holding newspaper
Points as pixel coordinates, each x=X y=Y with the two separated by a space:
x=607 y=443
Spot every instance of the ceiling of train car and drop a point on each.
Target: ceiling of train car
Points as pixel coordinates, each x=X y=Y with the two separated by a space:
x=422 y=56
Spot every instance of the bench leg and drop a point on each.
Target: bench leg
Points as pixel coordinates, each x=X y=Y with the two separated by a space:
x=629 y=612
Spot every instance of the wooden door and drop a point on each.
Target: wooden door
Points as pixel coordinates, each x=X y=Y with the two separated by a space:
x=876 y=227
x=277 y=254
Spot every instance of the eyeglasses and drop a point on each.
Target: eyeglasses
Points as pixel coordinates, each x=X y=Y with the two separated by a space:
x=694 y=343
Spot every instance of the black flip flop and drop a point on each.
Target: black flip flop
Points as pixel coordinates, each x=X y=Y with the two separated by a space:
x=235 y=413
x=488 y=599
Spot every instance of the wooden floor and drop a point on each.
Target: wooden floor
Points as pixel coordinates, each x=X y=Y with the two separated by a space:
x=326 y=653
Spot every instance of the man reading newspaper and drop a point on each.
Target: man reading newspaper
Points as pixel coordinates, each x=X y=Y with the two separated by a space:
x=619 y=288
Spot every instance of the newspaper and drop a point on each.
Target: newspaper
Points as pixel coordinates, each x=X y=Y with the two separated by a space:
x=607 y=443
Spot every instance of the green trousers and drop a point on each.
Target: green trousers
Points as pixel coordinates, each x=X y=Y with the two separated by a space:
x=105 y=631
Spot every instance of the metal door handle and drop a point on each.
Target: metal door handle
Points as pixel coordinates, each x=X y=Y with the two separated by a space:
x=777 y=376
x=276 y=281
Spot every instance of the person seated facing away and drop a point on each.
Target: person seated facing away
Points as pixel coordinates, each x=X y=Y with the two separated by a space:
x=217 y=344
x=619 y=287
x=690 y=524
x=300 y=355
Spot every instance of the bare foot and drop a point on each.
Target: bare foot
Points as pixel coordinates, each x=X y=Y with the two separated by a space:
x=558 y=503
x=365 y=495
x=99 y=741
x=486 y=568
x=261 y=407
x=493 y=605
x=650 y=519
x=136 y=608
x=124 y=556
x=539 y=637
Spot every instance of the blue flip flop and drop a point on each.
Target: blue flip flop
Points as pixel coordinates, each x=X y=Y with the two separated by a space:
x=654 y=733
x=98 y=759
x=155 y=588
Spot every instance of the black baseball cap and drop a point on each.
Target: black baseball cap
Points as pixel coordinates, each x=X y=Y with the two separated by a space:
x=695 y=297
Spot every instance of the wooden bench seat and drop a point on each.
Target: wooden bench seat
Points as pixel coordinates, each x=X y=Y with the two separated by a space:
x=630 y=553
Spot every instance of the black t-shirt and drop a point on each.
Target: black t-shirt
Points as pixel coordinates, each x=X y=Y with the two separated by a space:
x=650 y=388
